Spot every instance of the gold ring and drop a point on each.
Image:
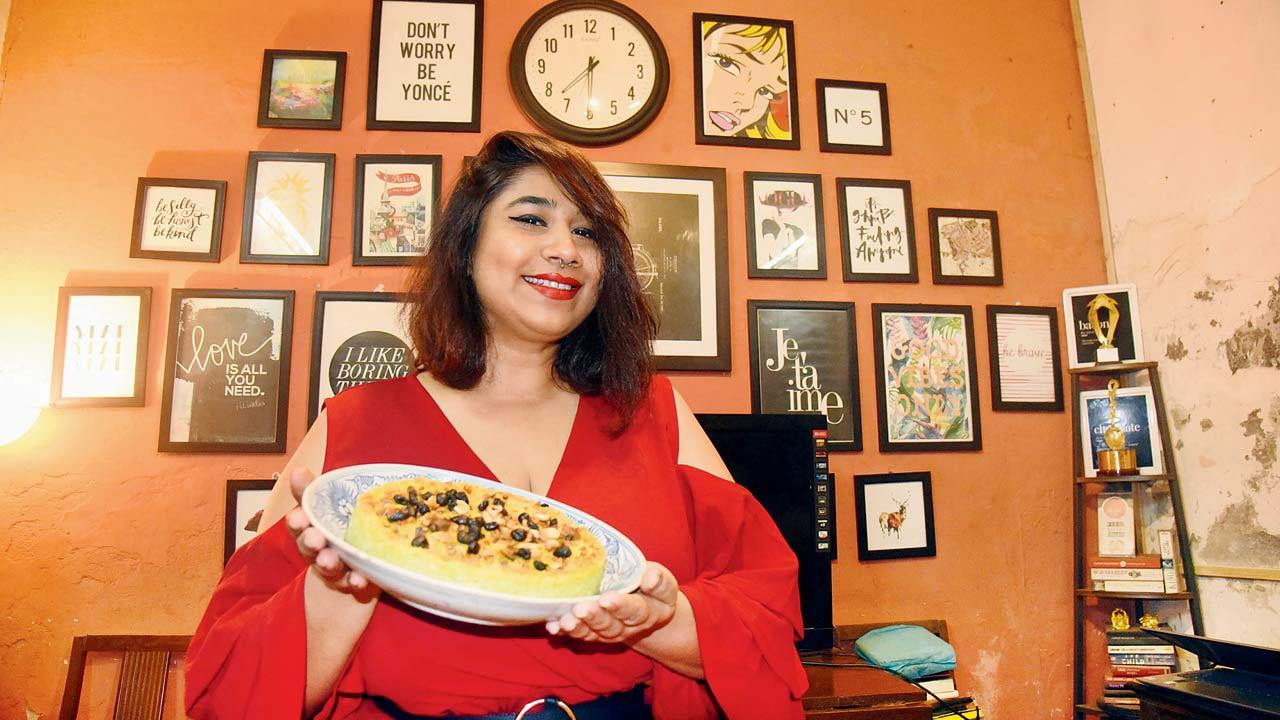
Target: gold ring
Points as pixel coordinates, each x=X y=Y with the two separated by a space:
x=543 y=701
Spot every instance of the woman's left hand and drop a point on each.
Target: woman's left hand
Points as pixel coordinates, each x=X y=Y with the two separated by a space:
x=618 y=618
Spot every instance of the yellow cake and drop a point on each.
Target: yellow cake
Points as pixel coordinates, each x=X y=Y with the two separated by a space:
x=477 y=536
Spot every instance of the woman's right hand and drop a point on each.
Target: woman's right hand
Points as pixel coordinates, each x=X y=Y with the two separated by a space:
x=325 y=561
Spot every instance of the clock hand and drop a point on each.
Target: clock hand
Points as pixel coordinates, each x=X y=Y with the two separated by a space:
x=590 y=74
x=591 y=63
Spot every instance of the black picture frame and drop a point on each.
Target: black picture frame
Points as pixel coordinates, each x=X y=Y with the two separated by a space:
x=919 y=428
x=239 y=493
x=105 y=340
x=941 y=274
x=381 y=116
x=159 y=227
x=819 y=347
x=371 y=362
x=866 y=233
x=362 y=252
x=271 y=109
x=665 y=205
x=791 y=203
x=700 y=54
x=830 y=94
x=295 y=188
x=870 y=493
x=239 y=335
x=1035 y=336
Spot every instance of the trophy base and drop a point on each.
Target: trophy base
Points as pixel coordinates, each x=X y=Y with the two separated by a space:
x=1107 y=355
x=1118 y=462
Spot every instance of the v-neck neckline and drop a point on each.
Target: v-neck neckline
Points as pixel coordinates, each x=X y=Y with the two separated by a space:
x=475 y=456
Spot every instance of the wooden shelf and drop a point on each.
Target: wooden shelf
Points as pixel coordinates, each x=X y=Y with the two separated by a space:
x=1080 y=480
x=1121 y=367
x=1089 y=709
x=1083 y=592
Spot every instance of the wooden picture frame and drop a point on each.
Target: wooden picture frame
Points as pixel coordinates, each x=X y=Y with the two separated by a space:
x=728 y=51
x=100 y=347
x=397 y=198
x=944 y=416
x=286 y=217
x=1082 y=341
x=804 y=359
x=1026 y=364
x=178 y=219
x=853 y=117
x=434 y=88
x=356 y=337
x=785 y=228
x=302 y=89
x=680 y=241
x=889 y=504
x=241 y=520
x=971 y=254
x=877 y=230
x=226 y=371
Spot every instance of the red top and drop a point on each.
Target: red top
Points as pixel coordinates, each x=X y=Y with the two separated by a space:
x=248 y=657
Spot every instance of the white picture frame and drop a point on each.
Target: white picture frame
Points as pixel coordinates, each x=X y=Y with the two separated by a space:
x=1081 y=342
x=1135 y=406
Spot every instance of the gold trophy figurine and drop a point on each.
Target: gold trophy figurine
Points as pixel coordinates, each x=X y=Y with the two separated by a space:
x=1116 y=459
x=1106 y=353
x=1119 y=620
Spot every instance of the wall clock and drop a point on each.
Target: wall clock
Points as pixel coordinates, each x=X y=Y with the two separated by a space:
x=592 y=72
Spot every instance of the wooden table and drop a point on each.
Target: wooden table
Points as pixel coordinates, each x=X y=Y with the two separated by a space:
x=860 y=693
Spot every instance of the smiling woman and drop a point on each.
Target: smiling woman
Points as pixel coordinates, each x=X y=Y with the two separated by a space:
x=534 y=345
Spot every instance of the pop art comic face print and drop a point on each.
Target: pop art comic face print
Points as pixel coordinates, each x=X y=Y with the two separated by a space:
x=744 y=81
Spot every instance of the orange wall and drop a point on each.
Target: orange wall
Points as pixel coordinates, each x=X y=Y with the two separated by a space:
x=101 y=534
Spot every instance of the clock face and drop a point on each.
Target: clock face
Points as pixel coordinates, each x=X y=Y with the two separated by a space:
x=589 y=74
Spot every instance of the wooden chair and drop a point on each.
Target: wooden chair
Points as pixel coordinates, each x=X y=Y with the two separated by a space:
x=143 y=674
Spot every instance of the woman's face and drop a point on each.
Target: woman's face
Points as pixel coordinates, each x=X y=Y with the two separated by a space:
x=738 y=83
x=525 y=234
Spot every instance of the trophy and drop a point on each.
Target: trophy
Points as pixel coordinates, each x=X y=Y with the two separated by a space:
x=1116 y=459
x=1107 y=352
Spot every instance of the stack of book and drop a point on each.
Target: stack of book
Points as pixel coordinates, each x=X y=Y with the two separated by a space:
x=959 y=709
x=1136 y=574
x=1133 y=654
x=943 y=685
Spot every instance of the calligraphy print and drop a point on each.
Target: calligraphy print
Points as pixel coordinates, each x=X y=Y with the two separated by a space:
x=227 y=378
x=1025 y=366
x=178 y=219
x=926 y=378
x=426 y=66
x=784 y=225
x=877 y=230
x=804 y=360
x=357 y=338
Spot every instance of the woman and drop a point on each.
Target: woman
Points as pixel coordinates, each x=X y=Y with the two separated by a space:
x=534 y=340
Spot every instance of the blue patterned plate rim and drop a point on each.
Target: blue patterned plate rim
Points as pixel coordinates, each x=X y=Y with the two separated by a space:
x=386 y=472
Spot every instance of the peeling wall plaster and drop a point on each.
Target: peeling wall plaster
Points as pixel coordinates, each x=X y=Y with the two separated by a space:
x=1193 y=224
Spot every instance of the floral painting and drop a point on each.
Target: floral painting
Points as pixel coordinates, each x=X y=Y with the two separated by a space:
x=926 y=379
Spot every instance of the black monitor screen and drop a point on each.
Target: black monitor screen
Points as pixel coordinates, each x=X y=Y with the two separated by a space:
x=772 y=456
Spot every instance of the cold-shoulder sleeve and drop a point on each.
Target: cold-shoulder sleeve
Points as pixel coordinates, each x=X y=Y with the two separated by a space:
x=248 y=657
x=746 y=606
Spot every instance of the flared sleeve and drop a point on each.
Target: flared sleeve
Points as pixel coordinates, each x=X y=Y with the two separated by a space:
x=248 y=657
x=746 y=605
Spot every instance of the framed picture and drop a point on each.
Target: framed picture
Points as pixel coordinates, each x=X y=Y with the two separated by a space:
x=745 y=75
x=804 y=359
x=424 y=65
x=226 y=378
x=853 y=117
x=681 y=243
x=1108 y=305
x=966 y=247
x=245 y=501
x=895 y=515
x=397 y=197
x=1026 y=369
x=302 y=89
x=785 y=237
x=926 y=378
x=877 y=230
x=358 y=337
x=100 y=346
x=288 y=201
x=1136 y=413
x=177 y=219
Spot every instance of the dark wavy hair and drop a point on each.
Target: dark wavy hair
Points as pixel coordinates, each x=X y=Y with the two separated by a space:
x=610 y=354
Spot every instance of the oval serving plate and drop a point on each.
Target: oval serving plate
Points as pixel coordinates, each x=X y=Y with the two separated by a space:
x=328 y=502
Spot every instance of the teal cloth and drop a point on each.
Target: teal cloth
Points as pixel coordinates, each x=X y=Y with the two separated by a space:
x=908 y=650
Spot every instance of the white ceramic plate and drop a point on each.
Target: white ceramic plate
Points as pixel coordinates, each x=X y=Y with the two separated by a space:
x=328 y=502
